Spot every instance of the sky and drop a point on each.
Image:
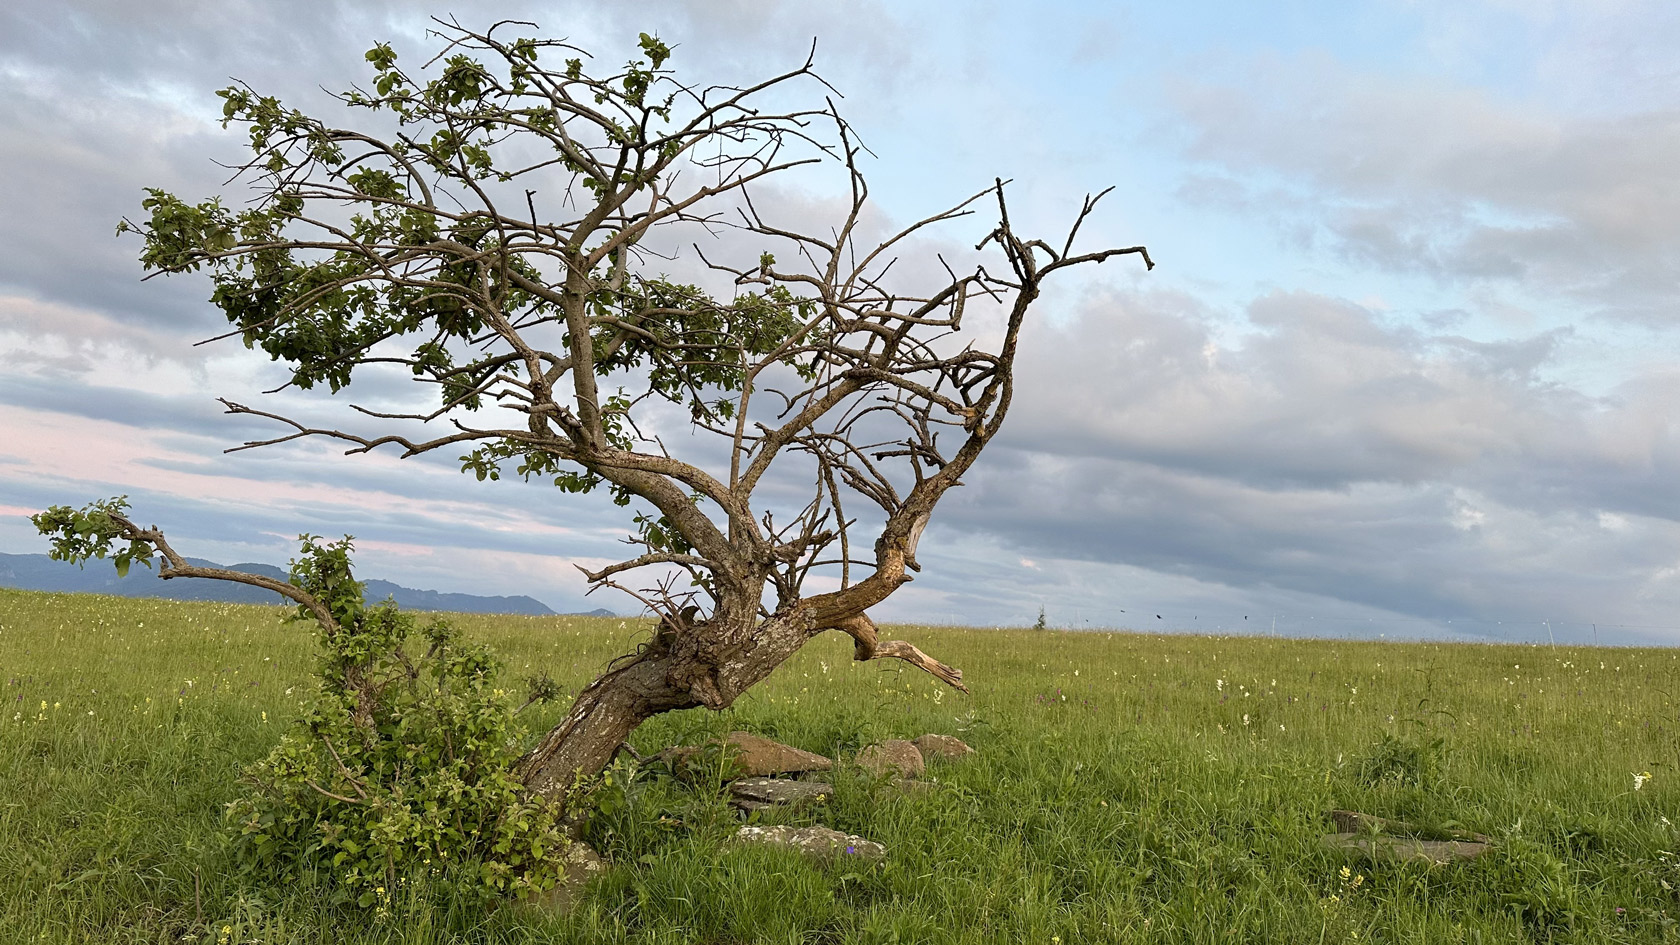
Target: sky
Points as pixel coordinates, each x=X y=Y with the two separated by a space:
x=1407 y=365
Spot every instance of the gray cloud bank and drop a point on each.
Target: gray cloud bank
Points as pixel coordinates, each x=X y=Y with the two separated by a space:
x=1329 y=454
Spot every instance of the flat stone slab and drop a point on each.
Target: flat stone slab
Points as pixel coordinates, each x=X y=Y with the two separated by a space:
x=754 y=756
x=750 y=794
x=1440 y=852
x=817 y=843
x=943 y=747
x=895 y=756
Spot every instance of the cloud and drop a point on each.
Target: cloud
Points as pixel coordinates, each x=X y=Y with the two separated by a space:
x=1424 y=176
x=1330 y=453
x=1318 y=392
x=65 y=340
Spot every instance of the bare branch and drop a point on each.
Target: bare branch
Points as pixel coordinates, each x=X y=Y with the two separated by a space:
x=177 y=566
x=867 y=646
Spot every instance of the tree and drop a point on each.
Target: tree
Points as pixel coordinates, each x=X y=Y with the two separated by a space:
x=494 y=230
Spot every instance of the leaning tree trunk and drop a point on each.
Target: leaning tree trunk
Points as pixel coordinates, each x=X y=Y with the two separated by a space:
x=599 y=722
x=710 y=664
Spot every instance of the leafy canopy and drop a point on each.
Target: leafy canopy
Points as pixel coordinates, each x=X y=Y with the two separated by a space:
x=422 y=254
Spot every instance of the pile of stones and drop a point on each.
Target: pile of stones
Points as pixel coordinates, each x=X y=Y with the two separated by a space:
x=762 y=773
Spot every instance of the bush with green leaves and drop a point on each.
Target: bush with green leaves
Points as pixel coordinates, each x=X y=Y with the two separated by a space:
x=401 y=762
x=1402 y=760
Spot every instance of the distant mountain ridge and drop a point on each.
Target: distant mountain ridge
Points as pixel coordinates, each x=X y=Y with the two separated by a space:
x=42 y=573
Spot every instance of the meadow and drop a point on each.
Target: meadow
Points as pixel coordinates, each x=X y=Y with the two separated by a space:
x=1127 y=788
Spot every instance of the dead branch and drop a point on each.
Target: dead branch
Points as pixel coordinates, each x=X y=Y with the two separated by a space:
x=867 y=646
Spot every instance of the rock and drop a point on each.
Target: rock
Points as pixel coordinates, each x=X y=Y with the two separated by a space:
x=581 y=864
x=757 y=756
x=753 y=756
x=894 y=756
x=750 y=794
x=942 y=747
x=1406 y=848
x=816 y=843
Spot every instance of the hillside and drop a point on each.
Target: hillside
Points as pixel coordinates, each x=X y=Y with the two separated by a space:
x=42 y=573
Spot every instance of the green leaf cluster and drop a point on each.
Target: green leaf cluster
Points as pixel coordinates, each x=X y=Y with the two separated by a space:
x=91 y=532
x=637 y=80
x=281 y=137
x=400 y=766
x=694 y=346
x=349 y=257
x=321 y=314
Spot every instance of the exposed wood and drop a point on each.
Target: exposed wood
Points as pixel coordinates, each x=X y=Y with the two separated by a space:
x=868 y=646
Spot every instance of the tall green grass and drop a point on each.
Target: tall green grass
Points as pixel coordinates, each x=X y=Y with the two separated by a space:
x=1127 y=788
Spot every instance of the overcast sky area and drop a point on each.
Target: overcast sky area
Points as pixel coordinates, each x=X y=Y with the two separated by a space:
x=1408 y=363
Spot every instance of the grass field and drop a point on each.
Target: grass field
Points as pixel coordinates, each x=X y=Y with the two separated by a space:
x=1127 y=788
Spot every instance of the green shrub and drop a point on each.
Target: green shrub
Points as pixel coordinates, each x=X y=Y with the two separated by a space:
x=1403 y=760
x=400 y=766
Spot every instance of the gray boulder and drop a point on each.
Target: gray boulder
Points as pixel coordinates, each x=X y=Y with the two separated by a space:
x=895 y=756
x=1440 y=852
x=750 y=794
x=817 y=843
x=582 y=863
x=1352 y=821
x=1380 y=838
